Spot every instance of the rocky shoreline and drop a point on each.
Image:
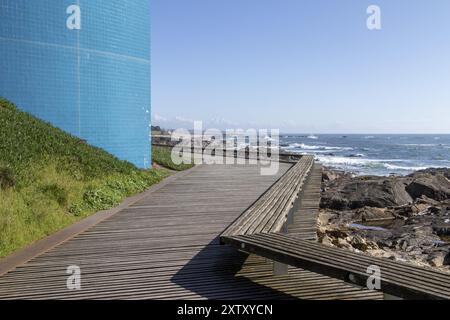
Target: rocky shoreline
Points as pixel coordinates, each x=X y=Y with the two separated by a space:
x=404 y=218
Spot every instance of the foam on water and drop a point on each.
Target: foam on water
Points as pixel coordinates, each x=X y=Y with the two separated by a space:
x=303 y=146
x=374 y=154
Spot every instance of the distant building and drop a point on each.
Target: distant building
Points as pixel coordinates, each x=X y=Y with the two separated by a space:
x=84 y=66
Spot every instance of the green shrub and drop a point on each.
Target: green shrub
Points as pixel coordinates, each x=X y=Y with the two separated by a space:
x=7 y=104
x=7 y=178
x=101 y=198
x=76 y=209
x=57 y=193
x=163 y=157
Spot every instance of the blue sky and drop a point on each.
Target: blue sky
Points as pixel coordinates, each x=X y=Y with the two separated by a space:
x=307 y=66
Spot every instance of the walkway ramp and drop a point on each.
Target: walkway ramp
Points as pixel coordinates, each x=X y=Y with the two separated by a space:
x=166 y=246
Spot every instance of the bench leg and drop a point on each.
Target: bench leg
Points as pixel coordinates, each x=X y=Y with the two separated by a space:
x=279 y=269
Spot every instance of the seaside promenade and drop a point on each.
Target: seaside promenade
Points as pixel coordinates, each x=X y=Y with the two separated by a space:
x=165 y=246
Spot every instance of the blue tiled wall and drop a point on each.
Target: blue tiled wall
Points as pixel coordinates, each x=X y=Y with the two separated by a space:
x=93 y=82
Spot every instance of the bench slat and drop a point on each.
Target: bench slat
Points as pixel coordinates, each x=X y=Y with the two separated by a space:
x=398 y=279
x=269 y=212
x=279 y=218
x=278 y=202
x=255 y=213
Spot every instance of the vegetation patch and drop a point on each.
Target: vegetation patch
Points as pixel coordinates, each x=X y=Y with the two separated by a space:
x=55 y=192
x=50 y=179
x=163 y=157
x=7 y=178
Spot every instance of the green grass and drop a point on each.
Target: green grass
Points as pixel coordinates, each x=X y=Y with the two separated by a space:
x=163 y=157
x=50 y=179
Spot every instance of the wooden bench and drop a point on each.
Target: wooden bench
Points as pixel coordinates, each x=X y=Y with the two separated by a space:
x=262 y=229
x=270 y=212
x=397 y=279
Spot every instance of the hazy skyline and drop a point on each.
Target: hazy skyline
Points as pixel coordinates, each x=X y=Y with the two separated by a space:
x=302 y=66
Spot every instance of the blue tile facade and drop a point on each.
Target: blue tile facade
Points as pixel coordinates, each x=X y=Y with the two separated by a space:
x=93 y=82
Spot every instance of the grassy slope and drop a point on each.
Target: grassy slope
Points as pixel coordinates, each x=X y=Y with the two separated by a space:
x=163 y=157
x=50 y=179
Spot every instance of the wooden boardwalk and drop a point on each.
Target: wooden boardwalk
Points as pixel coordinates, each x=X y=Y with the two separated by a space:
x=166 y=246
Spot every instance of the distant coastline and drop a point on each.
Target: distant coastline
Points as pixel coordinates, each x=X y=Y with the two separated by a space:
x=363 y=154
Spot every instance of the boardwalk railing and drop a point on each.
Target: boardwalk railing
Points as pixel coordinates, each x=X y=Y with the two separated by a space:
x=256 y=154
x=261 y=230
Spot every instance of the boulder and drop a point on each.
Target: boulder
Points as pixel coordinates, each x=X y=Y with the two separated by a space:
x=405 y=211
x=331 y=175
x=359 y=243
x=343 y=192
x=431 y=184
x=436 y=259
x=341 y=243
x=447 y=259
x=427 y=201
x=359 y=192
x=326 y=217
x=367 y=214
x=326 y=240
x=336 y=233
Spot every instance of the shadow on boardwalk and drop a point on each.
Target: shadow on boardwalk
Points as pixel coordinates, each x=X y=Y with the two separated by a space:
x=218 y=272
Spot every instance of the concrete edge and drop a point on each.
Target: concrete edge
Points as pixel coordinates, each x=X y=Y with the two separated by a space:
x=22 y=256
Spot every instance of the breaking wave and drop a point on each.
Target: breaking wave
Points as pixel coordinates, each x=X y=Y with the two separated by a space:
x=364 y=165
x=313 y=147
x=375 y=154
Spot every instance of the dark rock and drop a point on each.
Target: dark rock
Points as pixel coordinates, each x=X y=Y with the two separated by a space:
x=334 y=202
x=405 y=211
x=447 y=259
x=342 y=191
x=359 y=243
x=331 y=175
x=337 y=233
x=367 y=214
x=405 y=218
x=385 y=243
x=434 y=210
x=437 y=259
x=353 y=193
x=442 y=228
x=425 y=200
x=432 y=184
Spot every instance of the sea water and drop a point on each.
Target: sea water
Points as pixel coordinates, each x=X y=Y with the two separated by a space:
x=373 y=154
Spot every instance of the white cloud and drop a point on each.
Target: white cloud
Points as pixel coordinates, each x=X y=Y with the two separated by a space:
x=156 y=117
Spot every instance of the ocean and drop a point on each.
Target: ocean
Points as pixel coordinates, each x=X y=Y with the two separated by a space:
x=373 y=154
